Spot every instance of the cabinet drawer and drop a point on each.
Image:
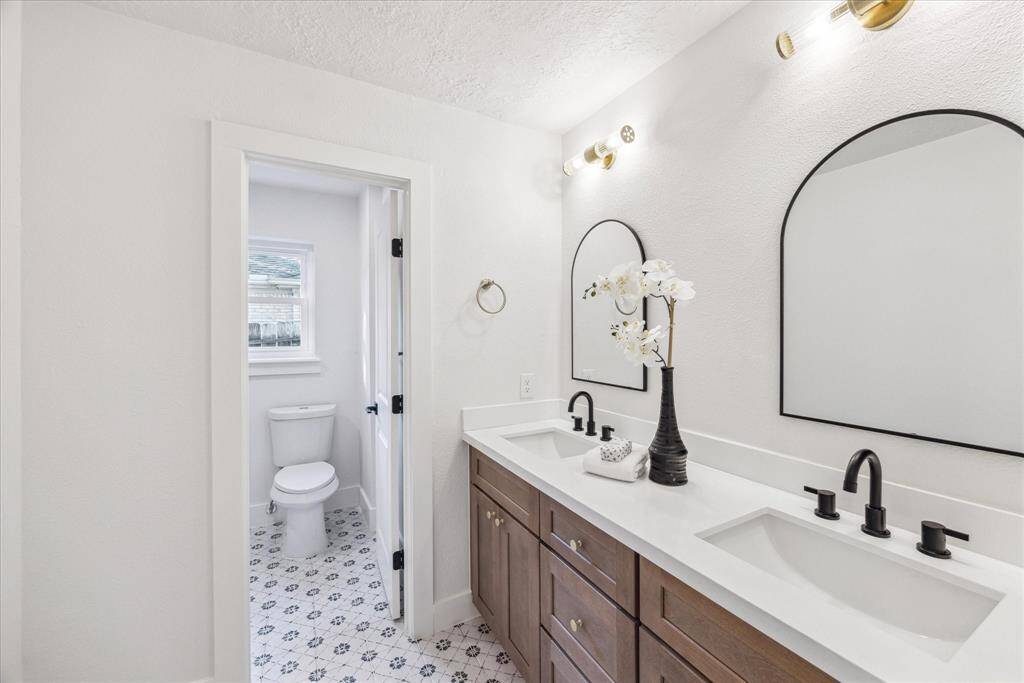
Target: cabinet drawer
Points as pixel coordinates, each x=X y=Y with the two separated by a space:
x=608 y=564
x=555 y=666
x=709 y=636
x=598 y=637
x=658 y=664
x=519 y=499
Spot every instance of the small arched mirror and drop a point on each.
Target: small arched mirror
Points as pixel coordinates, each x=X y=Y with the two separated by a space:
x=903 y=283
x=595 y=358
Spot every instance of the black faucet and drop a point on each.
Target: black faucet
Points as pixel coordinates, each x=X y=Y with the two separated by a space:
x=874 y=513
x=591 y=425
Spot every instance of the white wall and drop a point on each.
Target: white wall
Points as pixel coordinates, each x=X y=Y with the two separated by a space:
x=116 y=207
x=725 y=133
x=331 y=223
x=10 y=342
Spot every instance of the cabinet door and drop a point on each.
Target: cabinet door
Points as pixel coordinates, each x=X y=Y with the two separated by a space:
x=555 y=665
x=520 y=587
x=658 y=664
x=484 y=554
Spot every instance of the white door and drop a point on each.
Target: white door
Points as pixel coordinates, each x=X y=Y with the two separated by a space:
x=386 y=293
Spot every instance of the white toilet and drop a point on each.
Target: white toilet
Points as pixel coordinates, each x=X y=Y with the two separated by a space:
x=300 y=440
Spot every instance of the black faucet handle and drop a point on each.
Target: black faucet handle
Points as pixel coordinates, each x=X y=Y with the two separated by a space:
x=826 y=503
x=577 y=423
x=933 y=539
x=606 y=432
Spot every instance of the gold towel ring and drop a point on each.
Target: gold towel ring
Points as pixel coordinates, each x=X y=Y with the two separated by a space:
x=486 y=284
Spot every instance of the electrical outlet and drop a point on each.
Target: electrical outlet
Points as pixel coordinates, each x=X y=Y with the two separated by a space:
x=526 y=385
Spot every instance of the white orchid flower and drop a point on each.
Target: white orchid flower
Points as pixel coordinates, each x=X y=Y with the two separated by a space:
x=628 y=284
x=678 y=289
x=657 y=270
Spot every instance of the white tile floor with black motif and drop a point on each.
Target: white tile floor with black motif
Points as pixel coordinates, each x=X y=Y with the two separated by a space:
x=325 y=618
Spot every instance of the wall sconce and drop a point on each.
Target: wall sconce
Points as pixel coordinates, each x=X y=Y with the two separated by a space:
x=602 y=152
x=874 y=15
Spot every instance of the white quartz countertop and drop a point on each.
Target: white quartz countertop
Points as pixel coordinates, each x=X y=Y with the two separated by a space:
x=662 y=524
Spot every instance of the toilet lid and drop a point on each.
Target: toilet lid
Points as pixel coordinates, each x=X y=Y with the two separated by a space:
x=304 y=478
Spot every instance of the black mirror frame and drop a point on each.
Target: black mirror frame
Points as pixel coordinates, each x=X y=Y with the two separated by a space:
x=572 y=301
x=782 y=256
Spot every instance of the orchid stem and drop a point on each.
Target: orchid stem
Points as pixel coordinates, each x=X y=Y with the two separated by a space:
x=671 y=329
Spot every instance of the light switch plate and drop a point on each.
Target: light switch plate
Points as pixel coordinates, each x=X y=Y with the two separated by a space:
x=526 y=385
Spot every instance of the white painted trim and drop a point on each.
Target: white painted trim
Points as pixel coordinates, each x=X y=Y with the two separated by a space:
x=455 y=609
x=369 y=510
x=232 y=146
x=261 y=367
x=11 y=437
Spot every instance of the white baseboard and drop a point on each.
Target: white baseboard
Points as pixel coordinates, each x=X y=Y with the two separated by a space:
x=344 y=497
x=453 y=610
x=369 y=510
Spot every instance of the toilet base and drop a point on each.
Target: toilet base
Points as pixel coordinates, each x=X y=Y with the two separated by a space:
x=304 y=531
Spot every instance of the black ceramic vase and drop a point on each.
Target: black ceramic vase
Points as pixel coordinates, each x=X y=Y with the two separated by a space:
x=668 y=453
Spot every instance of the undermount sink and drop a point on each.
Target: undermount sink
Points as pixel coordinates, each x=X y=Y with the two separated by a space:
x=933 y=611
x=551 y=443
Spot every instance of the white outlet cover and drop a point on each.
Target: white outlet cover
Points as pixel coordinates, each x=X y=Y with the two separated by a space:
x=526 y=385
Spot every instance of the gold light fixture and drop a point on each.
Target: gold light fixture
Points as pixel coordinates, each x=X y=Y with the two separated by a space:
x=874 y=15
x=601 y=153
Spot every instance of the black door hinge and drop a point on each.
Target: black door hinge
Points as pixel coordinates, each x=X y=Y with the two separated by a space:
x=398 y=560
x=397 y=404
x=396 y=247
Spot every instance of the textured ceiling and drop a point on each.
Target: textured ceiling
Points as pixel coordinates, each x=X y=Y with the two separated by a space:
x=542 y=64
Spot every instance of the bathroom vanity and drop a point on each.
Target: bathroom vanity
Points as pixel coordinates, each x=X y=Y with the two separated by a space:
x=725 y=579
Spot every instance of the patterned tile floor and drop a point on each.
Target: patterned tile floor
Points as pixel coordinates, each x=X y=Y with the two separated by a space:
x=325 y=618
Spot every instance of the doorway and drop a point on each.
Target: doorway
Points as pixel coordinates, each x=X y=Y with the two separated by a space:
x=395 y=320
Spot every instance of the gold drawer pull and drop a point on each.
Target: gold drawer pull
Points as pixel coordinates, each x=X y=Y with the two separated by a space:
x=489 y=514
x=576 y=545
x=498 y=521
x=575 y=625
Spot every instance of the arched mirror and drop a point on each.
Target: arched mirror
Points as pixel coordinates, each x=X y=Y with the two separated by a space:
x=903 y=283
x=595 y=358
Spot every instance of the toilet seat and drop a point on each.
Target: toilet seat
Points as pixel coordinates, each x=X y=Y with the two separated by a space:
x=305 y=478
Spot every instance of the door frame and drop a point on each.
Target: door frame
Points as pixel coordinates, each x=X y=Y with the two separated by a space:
x=232 y=147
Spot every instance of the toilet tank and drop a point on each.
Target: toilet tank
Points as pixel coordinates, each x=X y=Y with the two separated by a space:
x=301 y=434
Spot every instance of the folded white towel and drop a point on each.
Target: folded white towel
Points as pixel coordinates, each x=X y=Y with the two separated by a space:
x=630 y=468
x=616 y=449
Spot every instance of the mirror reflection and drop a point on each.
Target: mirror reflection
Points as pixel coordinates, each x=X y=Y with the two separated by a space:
x=595 y=358
x=903 y=285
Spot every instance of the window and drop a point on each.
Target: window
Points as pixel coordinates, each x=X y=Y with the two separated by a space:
x=281 y=310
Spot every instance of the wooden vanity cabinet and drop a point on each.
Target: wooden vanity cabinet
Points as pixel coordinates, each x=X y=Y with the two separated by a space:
x=572 y=604
x=505 y=578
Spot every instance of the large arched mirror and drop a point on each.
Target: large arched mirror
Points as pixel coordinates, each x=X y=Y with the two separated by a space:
x=595 y=358
x=903 y=283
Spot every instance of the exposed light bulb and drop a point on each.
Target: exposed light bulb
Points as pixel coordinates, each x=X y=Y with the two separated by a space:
x=873 y=15
x=602 y=152
x=788 y=43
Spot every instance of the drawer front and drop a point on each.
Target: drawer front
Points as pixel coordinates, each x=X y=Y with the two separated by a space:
x=608 y=564
x=709 y=636
x=597 y=636
x=658 y=664
x=555 y=664
x=519 y=499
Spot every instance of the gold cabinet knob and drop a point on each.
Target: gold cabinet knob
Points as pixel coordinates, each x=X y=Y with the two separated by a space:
x=498 y=521
x=576 y=545
x=489 y=514
x=575 y=625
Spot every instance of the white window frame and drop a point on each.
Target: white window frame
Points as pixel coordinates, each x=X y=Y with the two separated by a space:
x=289 y=360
